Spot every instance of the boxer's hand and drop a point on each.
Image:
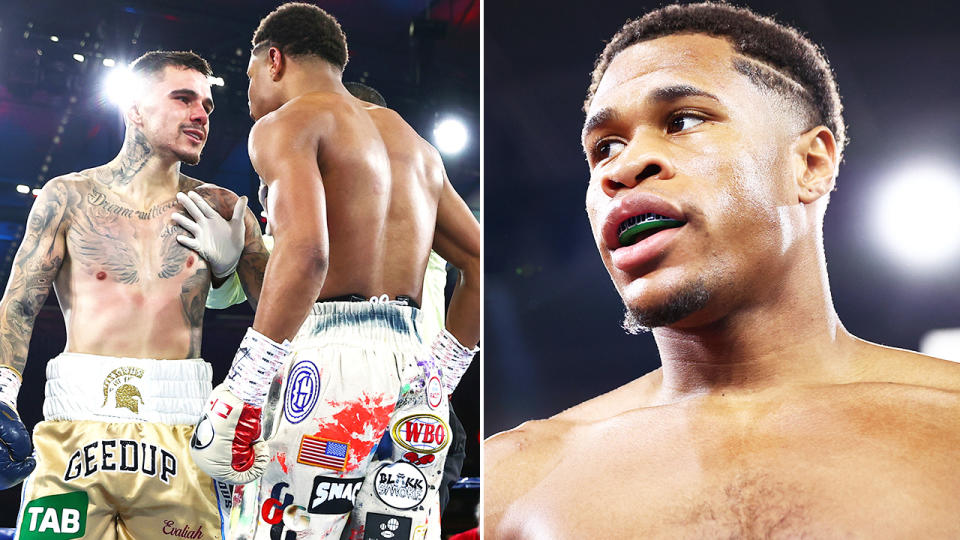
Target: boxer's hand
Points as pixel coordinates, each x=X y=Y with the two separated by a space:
x=226 y=443
x=215 y=239
x=16 y=461
x=452 y=358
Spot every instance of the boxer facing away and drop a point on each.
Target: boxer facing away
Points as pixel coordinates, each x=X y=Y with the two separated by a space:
x=356 y=200
x=719 y=133
x=406 y=438
x=122 y=399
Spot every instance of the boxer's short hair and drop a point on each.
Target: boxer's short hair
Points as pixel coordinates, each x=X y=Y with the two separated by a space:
x=153 y=62
x=786 y=62
x=300 y=29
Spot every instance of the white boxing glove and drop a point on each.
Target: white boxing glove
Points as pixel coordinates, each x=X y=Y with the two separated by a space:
x=227 y=442
x=218 y=241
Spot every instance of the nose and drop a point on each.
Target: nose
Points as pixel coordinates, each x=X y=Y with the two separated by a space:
x=198 y=114
x=642 y=159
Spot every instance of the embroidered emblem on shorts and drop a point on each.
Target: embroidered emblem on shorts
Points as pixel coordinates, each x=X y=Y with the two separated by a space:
x=384 y=527
x=303 y=389
x=118 y=384
x=434 y=392
x=419 y=533
x=323 y=453
x=423 y=433
x=417 y=459
x=55 y=517
x=123 y=456
x=333 y=495
x=400 y=485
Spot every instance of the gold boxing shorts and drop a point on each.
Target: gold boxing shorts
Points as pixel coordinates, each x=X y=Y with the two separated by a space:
x=112 y=453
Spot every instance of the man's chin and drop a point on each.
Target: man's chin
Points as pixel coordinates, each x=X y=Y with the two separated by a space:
x=189 y=159
x=681 y=303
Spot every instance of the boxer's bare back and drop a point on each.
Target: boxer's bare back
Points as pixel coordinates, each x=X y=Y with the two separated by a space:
x=383 y=189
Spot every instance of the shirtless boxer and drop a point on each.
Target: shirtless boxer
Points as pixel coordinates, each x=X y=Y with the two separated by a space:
x=122 y=398
x=767 y=418
x=355 y=201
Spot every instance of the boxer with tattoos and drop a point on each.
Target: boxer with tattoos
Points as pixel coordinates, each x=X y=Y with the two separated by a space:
x=121 y=400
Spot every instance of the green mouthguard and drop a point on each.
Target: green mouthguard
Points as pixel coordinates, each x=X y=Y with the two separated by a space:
x=629 y=236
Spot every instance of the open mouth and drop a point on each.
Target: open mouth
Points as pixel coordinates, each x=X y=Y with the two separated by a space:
x=637 y=228
x=193 y=134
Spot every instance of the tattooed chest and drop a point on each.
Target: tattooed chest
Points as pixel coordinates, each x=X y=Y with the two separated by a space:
x=110 y=242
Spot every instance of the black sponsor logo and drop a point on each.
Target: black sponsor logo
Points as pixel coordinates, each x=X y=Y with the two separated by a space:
x=121 y=455
x=202 y=434
x=384 y=527
x=333 y=495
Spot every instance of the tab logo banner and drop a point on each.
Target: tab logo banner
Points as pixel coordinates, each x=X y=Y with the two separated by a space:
x=55 y=517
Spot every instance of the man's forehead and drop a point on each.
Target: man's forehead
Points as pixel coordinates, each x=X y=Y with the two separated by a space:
x=179 y=77
x=693 y=59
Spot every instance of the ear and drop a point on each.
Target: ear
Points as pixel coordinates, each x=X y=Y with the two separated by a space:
x=277 y=63
x=133 y=115
x=817 y=164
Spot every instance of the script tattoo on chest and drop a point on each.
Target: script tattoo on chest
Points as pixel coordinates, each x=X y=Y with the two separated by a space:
x=105 y=235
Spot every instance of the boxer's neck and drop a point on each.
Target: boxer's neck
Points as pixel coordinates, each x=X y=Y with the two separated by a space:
x=308 y=76
x=794 y=337
x=140 y=174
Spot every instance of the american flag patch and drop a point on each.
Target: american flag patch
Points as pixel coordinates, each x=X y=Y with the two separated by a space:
x=323 y=453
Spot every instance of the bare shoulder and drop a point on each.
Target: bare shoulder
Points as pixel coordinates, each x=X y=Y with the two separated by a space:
x=910 y=368
x=636 y=394
x=218 y=197
x=515 y=461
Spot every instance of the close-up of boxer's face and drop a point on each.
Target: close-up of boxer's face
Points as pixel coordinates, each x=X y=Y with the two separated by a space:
x=675 y=130
x=175 y=112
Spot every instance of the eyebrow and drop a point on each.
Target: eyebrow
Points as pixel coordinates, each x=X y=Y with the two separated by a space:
x=207 y=102
x=661 y=95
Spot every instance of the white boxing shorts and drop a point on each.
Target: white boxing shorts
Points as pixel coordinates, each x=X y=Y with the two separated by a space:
x=325 y=417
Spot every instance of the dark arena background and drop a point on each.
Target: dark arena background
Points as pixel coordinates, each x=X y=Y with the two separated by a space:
x=552 y=315
x=423 y=56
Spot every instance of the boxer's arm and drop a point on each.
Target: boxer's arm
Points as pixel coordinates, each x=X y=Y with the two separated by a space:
x=283 y=151
x=34 y=268
x=254 y=254
x=457 y=239
x=253 y=260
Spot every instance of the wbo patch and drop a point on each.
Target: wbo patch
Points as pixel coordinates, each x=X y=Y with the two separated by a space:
x=423 y=433
x=323 y=453
x=303 y=390
x=400 y=485
x=384 y=527
x=333 y=495
x=55 y=517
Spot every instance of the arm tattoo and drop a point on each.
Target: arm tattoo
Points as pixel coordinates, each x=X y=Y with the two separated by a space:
x=253 y=263
x=193 y=299
x=34 y=268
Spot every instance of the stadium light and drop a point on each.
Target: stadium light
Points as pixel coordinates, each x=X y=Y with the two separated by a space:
x=916 y=217
x=450 y=136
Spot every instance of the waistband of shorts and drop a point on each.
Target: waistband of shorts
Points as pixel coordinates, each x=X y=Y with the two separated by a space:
x=113 y=389
x=399 y=300
x=361 y=324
